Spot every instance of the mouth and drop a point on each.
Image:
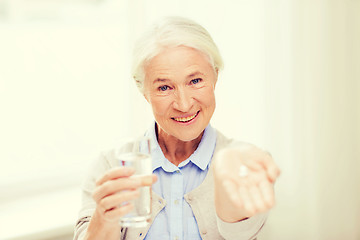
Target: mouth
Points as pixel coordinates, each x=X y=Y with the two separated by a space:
x=186 y=119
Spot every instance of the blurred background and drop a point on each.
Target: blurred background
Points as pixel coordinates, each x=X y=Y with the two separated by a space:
x=290 y=85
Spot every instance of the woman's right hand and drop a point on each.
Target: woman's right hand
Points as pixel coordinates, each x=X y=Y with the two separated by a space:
x=115 y=189
x=113 y=193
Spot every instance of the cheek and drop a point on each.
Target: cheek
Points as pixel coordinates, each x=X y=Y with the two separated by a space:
x=160 y=106
x=212 y=102
x=207 y=98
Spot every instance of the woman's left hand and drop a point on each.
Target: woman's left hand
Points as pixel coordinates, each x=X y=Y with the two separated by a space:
x=244 y=179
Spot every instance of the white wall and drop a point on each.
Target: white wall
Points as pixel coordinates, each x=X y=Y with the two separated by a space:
x=318 y=197
x=290 y=85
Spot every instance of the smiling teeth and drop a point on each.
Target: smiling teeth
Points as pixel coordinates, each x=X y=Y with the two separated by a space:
x=186 y=119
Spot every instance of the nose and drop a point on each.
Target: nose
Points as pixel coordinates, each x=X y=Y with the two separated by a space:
x=183 y=100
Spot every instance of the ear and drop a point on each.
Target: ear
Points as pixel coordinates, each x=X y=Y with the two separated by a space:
x=216 y=77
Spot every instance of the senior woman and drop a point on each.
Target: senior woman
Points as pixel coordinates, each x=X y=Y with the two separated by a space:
x=205 y=186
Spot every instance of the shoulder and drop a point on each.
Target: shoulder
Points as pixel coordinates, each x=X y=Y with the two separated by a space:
x=107 y=159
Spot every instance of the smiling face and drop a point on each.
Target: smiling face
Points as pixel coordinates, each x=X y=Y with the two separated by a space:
x=179 y=85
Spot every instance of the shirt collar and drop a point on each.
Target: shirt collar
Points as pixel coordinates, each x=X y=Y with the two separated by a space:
x=201 y=157
x=204 y=152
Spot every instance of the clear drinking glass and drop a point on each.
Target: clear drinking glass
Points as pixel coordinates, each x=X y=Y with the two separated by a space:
x=138 y=156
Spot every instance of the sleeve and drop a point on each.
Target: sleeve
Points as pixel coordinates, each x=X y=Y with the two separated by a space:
x=88 y=205
x=80 y=228
x=246 y=229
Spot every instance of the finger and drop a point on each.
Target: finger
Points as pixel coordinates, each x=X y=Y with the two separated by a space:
x=273 y=172
x=128 y=183
x=116 y=213
x=116 y=200
x=248 y=204
x=231 y=190
x=252 y=164
x=267 y=190
x=269 y=164
x=154 y=178
x=146 y=180
x=115 y=173
x=117 y=185
x=113 y=186
x=257 y=198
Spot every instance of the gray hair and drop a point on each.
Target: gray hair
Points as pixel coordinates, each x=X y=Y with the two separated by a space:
x=172 y=32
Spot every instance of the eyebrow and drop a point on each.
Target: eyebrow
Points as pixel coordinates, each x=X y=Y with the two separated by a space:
x=195 y=73
x=161 y=80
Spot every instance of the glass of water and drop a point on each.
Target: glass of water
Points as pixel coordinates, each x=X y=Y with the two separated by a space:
x=138 y=156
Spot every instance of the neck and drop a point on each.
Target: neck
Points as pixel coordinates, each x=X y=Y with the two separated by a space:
x=175 y=150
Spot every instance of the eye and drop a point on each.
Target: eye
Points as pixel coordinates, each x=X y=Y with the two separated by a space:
x=195 y=81
x=163 y=88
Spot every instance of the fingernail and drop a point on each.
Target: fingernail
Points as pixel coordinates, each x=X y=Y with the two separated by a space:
x=147 y=180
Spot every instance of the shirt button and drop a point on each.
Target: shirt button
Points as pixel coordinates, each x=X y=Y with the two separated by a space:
x=176 y=238
x=204 y=231
x=177 y=171
x=176 y=202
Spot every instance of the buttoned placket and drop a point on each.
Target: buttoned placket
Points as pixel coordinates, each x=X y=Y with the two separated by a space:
x=176 y=206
